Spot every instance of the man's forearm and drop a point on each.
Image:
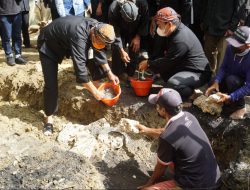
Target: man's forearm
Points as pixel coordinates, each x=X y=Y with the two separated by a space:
x=106 y=68
x=90 y=87
x=153 y=132
x=158 y=172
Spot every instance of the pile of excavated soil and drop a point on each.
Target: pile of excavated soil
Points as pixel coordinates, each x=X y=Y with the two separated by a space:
x=29 y=159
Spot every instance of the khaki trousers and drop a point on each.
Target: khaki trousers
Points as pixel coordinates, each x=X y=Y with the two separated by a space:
x=214 y=47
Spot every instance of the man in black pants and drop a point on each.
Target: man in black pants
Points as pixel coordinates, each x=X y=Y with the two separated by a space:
x=25 y=8
x=130 y=20
x=183 y=146
x=73 y=36
x=182 y=63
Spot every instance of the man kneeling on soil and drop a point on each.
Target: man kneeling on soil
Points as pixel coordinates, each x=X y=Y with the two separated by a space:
x=180 y=61
x=73 y=36
x=183 y=145
x=234 y=74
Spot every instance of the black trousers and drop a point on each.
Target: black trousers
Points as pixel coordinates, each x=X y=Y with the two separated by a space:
x=118 y=66
x=158 y=47
x=228 y=85
x=50 y=93
x=50 y=73
x=186 y=81
x=25 y=28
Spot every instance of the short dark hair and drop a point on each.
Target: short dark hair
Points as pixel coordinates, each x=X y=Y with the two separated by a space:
x=171 y=110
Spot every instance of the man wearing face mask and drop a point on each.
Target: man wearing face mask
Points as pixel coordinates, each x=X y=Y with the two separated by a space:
x=232 y=82
x=73 y=36
x=182 y=63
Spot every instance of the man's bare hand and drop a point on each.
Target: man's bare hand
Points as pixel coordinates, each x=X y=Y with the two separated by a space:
x=125 y=57
x=228 y=33
x=213 y=87
x=142 y=129
x=223 y=97
x=113 y=78
x=98 y=95
x=98 y=11
x=135 y=43
x=143 y=65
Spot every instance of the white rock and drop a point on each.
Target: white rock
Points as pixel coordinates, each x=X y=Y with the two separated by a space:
x=77 y=139
x=15 y=163
x=213 y=97
x=117 y=141
x=128 y=125
x=208 y=106
x=113 y=139
x=243 y=166
x=85 y=144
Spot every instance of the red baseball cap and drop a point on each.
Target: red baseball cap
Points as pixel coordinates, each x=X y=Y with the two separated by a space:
x=166 y=14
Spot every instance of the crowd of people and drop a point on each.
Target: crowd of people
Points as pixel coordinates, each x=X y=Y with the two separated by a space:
x=189 y=43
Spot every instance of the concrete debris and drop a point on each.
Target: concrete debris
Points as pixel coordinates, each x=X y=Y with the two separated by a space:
x=83 y=140
x=98 y=137
x=112 y=139
x=208 y=105
x=77 y=139
x=243 y=166
x=213 y=98
x=128 y=125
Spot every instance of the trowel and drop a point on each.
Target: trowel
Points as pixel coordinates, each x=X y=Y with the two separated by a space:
x=140 y=75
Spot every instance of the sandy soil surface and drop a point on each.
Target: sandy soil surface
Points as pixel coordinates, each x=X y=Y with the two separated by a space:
x=29 y=159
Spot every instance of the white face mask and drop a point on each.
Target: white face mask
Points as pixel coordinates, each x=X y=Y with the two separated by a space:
x=243 y=53
x=161 y=32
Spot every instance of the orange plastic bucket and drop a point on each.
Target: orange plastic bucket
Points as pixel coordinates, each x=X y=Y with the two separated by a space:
x=117 y=91
x=141 y=87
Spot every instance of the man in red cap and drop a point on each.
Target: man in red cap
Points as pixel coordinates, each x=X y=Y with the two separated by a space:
x=232 y=82
x=182 y=63
x=182 y=145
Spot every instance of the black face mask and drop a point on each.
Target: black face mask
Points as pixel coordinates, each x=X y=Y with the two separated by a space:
x=236 y=50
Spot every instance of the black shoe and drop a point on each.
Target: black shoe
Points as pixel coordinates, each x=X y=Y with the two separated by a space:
x=48 y=129
x=10 y=61
x=20 y=61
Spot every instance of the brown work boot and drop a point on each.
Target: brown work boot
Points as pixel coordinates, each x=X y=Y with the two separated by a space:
x=238 y=114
